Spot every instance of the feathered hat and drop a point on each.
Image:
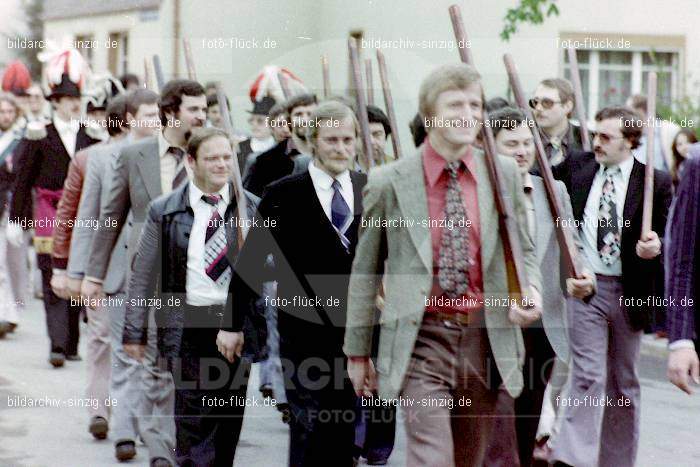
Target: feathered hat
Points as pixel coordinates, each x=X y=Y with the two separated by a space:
x=65 y=71
x=272 y=80
x=16 y=79
x=100 y=89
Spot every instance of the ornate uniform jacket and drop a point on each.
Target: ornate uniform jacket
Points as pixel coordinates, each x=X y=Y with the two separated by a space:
x=41 y=166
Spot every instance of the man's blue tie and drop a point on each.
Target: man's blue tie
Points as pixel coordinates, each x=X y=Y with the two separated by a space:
x=340 y=213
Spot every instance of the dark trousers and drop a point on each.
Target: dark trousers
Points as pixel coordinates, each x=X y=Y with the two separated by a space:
x=539 y=360
x=62 y=318
x=517 y=422
x=322 y=405
x=210 y=397
x=375 y=431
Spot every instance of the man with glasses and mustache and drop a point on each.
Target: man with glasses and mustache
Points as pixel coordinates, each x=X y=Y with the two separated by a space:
x=552 y=105
x=601 y=420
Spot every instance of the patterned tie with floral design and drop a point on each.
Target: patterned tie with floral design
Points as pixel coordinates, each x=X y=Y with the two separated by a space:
x=454 y=260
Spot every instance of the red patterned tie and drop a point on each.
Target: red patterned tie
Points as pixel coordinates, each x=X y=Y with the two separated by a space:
x=216 y=264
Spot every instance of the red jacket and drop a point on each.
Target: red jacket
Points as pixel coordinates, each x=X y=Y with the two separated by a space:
x=68 y=209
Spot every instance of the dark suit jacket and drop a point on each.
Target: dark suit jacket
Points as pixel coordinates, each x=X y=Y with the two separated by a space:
x=269 y=166
x=41 y=163
x=244 y=150
x=640 y=277
x=310 y=263
x=160 y=270
x=683 y=253
x=572 y=143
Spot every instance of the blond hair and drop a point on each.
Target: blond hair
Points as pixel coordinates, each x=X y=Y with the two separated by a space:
x=329 y=111
x=452 y=77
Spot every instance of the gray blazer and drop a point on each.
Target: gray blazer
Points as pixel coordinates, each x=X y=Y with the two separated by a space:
x=404 y=255
x=135 y=183
x=554 y=273
x=96 y=187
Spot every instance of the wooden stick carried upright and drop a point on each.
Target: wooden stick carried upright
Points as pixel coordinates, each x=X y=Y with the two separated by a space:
x=648 y=205
x=361 y=105
x=579 y=103
x=189 y=61
x=147 y=79
x=370 y=81
x=326 y=77
x=160 y=80
x=566 y=242
x=389 y=103
x=243 y=224
x=508 y=229
x=465 y=53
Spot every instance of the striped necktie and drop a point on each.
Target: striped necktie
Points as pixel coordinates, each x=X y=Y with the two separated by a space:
x=180 y=170
x=216 y=264
x=341 y=216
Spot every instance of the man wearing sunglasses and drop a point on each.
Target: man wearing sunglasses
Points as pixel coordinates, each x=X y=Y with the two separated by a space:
x=552 y=105
x=601 y=421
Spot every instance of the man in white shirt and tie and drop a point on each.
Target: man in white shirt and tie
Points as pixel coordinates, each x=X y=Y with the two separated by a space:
x=185 y=260
x=142 y=172
x=309 y=224
x=601 y=414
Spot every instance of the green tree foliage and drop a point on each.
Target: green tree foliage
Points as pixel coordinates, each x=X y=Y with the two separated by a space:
x=527 y=12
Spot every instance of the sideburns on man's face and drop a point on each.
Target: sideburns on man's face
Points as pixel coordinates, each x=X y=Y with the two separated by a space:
x=192 y=112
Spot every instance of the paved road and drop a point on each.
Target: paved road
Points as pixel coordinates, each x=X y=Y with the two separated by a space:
x=57 y=436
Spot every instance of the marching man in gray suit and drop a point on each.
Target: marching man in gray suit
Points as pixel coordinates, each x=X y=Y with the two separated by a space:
x=143 y=172
x=546 y=341
x=124 y=378
x=448 y=337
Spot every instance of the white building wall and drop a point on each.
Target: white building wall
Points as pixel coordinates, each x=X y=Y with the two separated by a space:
x=303 y=30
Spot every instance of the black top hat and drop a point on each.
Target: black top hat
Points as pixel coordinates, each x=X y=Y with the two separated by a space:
x=263 y=106
x=66 y=88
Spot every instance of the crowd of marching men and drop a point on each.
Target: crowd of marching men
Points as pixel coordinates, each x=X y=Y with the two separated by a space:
x=511 y=337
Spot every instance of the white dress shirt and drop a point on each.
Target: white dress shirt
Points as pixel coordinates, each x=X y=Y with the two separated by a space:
x=323 y=184
x=589 y=229
x=168 y=164
x=262 y=145
x=68 y=131
x=200 y=289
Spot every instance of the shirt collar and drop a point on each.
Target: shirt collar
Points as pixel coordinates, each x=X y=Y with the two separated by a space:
x=434 y=163
x=71 y=126
x=563 y=139
x=625 y=167
x=324 y=181
x=164 y=145
x=196 y=194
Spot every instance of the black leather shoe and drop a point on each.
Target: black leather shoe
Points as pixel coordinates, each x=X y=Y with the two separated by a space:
x=98 y=427
x=377 y=461
x=125 y=450
x=74 y=358
x=266 y=391
x=13 y=326
x=57 y=358
x=160 y=462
